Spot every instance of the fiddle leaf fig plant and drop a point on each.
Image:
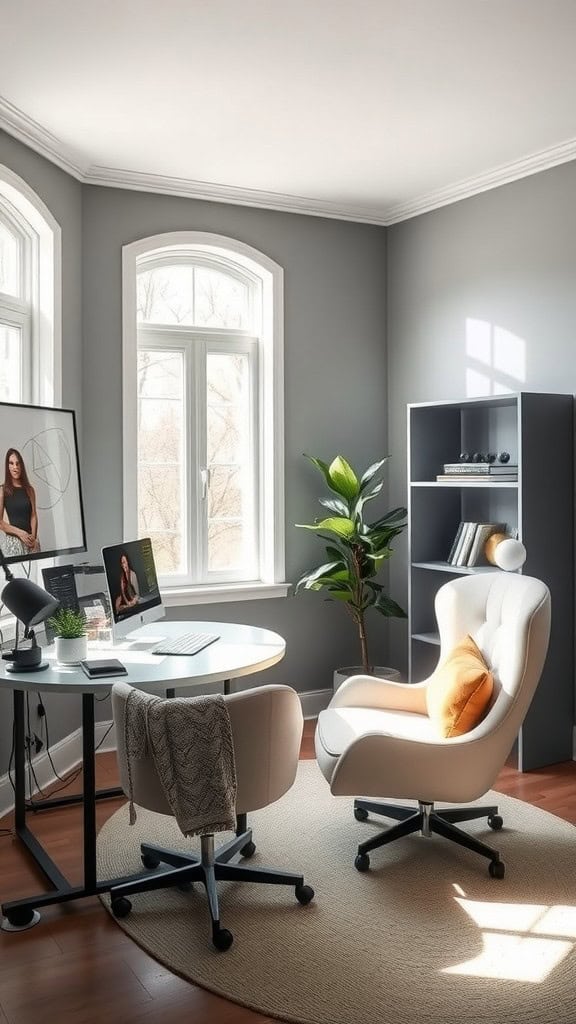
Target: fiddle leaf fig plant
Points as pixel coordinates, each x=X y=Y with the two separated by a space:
x=355 y=548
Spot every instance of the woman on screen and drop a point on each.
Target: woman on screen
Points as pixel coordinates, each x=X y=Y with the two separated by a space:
x=18 y=515
x=129 y=589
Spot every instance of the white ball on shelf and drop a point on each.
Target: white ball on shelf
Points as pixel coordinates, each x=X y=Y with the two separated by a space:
x=510 y=554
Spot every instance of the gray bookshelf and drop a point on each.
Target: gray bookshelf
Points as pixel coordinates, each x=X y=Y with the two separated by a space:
x=538 y=432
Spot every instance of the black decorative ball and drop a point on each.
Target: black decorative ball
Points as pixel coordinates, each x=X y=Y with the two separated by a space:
x=490 y=457
x=478 y=457
x=504 y=457
x=464 y=457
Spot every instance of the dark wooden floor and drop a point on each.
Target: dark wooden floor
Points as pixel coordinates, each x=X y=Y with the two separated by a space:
x=77 y=965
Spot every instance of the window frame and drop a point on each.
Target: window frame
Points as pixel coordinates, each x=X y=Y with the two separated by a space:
x=40 y=307
x=243 y=262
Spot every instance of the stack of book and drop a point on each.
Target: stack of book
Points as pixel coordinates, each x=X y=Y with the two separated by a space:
x=495 y=472
x=468 y=544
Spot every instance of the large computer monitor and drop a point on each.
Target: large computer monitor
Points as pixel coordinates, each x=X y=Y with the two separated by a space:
x=132 y=585
x=41 y=512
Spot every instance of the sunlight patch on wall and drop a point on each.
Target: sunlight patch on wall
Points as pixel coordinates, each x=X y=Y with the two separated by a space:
x=495 y=358
x=520 y=941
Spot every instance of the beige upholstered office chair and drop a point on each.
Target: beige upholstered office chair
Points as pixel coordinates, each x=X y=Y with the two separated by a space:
x=376 y=738
x=266 y=732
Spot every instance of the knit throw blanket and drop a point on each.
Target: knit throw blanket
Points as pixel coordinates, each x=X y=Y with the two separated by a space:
x=190 y=742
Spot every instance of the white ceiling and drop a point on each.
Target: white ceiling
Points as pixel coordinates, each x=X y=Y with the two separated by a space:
x=370 y=110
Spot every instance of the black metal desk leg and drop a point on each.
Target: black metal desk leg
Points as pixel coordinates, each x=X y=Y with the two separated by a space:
x=89 y=788
x=19 y=762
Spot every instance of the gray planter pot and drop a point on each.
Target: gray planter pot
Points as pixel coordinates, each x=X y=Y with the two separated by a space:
x=381 y=671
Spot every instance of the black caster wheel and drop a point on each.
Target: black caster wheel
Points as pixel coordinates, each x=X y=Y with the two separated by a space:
x=121 y=907
x=304 y=894
x=362 y=862
x=248 y=850
x=496 y=869
x=22 y=918
x=495 y=822
x=150 y=861
x=222 y=939
x=360 y=814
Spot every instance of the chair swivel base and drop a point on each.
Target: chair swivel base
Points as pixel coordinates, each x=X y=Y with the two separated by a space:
x=427 y=821
x=210 y=867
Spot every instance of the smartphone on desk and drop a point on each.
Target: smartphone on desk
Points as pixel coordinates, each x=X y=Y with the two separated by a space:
x=98 y=668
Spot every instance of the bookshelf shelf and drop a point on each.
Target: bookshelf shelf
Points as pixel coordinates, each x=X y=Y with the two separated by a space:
x=537 y=431
x=461 y=570
x=490 y=485
x=427 y=638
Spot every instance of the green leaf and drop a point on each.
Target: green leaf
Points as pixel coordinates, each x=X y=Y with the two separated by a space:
x=336 y=553
x=368 y=495
x=322 y=466
x=335 y=505
x=311 y=577
x=387 y=607
x=341 y=527
x=391 y=517
x=343 y=479
x=371 y=472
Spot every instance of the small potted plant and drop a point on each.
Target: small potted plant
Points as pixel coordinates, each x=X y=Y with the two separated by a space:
x=355 y=550
x=70 y=631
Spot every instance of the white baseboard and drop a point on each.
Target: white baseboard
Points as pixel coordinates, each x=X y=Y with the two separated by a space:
x=67 y=753
x=314 y=701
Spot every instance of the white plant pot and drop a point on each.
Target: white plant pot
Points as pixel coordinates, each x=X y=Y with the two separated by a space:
x=71 y=650
x=380 y=671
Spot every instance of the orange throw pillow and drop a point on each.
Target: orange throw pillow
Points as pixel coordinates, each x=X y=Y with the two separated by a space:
x=459 y=692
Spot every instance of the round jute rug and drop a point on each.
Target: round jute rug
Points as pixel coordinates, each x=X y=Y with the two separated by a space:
x=426 y=935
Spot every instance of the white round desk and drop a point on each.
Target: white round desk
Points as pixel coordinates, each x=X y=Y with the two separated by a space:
x=240 y=651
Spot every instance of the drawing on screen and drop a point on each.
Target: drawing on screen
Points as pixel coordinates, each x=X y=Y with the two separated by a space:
x=50 y=462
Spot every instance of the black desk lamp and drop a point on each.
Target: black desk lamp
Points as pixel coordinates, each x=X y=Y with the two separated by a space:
x=31 y=605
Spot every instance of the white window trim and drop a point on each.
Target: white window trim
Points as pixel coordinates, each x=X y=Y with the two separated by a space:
x=46 y=298
x=272 y=526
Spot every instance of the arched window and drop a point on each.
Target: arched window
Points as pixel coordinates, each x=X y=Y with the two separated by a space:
x=203 y=413
x=30 y=340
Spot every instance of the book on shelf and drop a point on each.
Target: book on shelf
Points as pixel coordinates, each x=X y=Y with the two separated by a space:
x=455 y=543
x=461 y=557
x=497 y=478
x=483 y=531
x=491 y=468
x=458 y=546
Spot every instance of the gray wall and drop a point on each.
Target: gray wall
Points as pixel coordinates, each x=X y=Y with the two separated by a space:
x=335 y=387
x=62 y=194
x=502 y=266
x=335 y=383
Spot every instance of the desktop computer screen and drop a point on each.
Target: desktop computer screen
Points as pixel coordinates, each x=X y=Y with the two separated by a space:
x=132 y=585
x=41 y=512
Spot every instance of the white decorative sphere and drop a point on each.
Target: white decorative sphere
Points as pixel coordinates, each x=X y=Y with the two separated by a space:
x=510 y=554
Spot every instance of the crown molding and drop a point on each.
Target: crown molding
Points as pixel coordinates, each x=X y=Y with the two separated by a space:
x=112 y=177
x=32 y=134
x=504 y=175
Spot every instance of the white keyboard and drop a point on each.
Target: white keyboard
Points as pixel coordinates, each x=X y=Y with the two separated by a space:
x=189 y=643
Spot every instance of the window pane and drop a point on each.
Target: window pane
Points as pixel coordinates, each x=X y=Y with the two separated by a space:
x=165 y=295
x=227 y=546
x=10 y=276
x=221 y=300
x=10 y=363
x=230 y=464
x=161 y=457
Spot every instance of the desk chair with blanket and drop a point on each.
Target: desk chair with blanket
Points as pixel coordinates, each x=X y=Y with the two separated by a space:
x=446 y=738
x=266 y=731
